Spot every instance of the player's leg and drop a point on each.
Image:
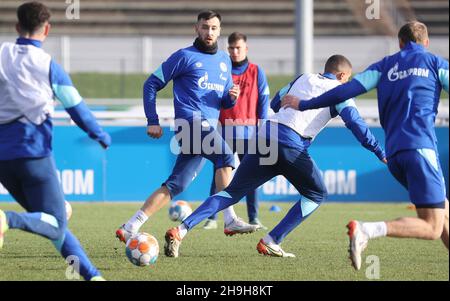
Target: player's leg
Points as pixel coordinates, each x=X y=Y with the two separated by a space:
x=211 y=222
x=444 y=235
x=420 y=173
x=186 y=168
x=51 y=202
x=43 y=198
x=428 y=225
x=250 y=175
x=302 y=172
x=216 y=150
x=28 y=180
x=252 y=204
x=14 y=186
x=184 y=171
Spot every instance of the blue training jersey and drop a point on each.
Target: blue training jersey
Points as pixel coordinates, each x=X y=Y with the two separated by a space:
x=409 y=84
x=201 y=82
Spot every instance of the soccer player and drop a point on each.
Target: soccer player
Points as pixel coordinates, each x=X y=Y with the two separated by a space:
x=408 y=84
x=293 y=132
x=202 y=84
x=239 y=124
x=29 y=80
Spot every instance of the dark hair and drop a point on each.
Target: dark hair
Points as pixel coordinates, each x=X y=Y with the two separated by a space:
x=32 y=15
x=413 y=31
x=236 y=36
x=337 y=63
x=208 y=14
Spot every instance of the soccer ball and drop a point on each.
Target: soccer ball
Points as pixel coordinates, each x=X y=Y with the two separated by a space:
x=142 y=249
x=68 y=210
x=179 y=210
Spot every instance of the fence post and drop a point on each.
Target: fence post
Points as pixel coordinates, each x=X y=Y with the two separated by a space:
x=304 y=36
x=122 y=77
x=65 y=53
x=147 y=54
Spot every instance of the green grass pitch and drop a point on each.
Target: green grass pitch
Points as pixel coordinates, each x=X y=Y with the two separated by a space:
x=320 y=244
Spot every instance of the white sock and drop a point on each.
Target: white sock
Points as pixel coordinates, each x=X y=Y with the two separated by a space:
x=229 y=215
x=182 y=230
x=269 y=240
x=374 y=230
x=136 y=222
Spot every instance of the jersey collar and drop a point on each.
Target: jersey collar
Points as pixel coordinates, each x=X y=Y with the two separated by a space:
x=329 y=75
x=241 y=67
x=413 y=46
x=25 y=41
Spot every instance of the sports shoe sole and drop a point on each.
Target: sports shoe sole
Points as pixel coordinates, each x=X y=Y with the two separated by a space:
x=353 y=249
x=231 y=232
x=265 y=250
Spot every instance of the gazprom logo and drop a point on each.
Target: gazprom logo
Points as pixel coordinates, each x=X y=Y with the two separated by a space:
x=394 y=74
x=205 y=85
x=203 y=81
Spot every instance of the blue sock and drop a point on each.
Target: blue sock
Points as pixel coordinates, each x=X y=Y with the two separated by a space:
x=69 y=245
x=298 y=213
x=212 y=205
x=252 y=205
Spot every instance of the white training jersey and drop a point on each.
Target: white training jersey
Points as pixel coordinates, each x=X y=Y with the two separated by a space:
x=308 y=123
x=25 y=89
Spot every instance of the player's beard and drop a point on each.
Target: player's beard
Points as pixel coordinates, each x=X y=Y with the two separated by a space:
x=203 y=47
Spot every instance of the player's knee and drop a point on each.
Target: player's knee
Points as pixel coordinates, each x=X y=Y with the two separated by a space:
x=324 y=195
x=59 y=231
x=436 y=230
x=56 y=234
x=55 y=226
x=436 y=233
x=321 y=195
x=175 y=188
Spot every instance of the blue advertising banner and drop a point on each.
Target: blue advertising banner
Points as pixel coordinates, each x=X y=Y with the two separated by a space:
x=136 y=165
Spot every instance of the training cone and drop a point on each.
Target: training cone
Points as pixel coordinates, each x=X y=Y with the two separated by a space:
x=275 y=208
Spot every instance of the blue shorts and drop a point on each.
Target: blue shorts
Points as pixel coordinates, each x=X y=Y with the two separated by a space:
x=420 y=172
x=194 y=150
x=295 y=165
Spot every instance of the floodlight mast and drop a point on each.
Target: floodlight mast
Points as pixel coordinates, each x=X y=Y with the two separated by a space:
x=304 y=33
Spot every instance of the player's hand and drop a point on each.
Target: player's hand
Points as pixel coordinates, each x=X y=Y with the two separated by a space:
x=154 y=131
x=384 y=160
x=234 y=92
x=290 y=101
x=104 y=140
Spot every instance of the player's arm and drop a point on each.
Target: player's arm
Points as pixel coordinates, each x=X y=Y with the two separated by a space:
x=443 y=73
x=353 y=121
x=156 y=82
x=73 y=103
x=231 y=91
x=275 y=104
x=230 y=98
x=361 y=83
x=263 y=95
